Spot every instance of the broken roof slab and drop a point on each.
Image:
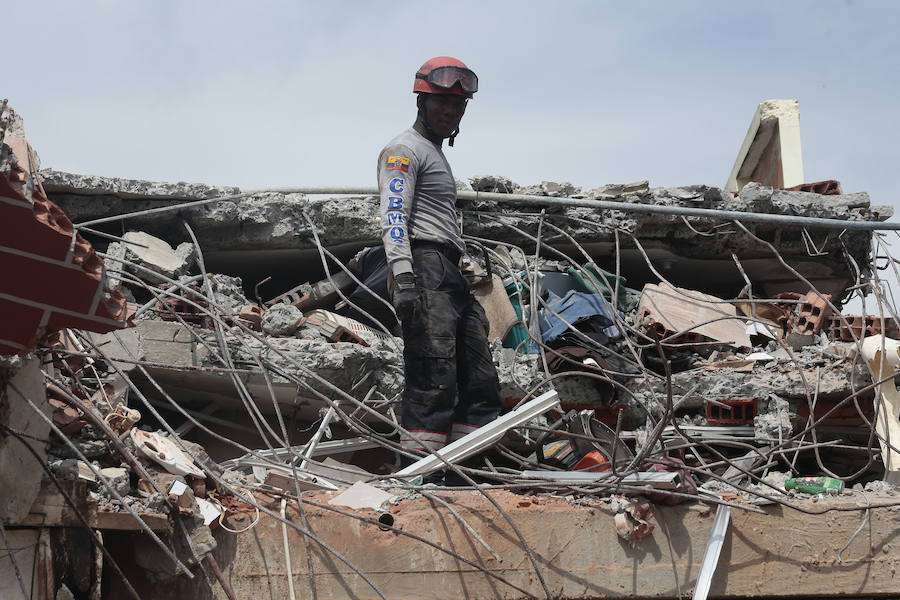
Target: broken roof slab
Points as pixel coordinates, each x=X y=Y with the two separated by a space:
x=270 y=231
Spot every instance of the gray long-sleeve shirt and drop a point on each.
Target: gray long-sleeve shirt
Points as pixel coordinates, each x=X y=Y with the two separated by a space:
x=418 y=198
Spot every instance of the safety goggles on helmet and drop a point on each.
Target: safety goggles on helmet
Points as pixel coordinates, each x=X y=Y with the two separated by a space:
x=447 y=77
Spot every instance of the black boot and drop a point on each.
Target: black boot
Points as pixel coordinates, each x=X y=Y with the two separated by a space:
x=454 y=479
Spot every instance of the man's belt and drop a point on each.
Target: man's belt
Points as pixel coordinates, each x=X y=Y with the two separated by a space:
x=449 y=251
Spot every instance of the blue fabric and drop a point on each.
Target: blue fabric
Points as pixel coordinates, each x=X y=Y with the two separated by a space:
x=574 y=307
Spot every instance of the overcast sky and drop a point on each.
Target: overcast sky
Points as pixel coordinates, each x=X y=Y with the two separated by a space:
x=263 y=94
x=306 y=93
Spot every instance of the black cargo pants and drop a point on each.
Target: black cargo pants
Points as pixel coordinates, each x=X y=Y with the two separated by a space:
x=446 y=352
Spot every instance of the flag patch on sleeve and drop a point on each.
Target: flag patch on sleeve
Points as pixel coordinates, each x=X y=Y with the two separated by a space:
x=398 y=163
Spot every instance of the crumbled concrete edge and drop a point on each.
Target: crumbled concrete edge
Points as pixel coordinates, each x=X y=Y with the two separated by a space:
x=60 y=182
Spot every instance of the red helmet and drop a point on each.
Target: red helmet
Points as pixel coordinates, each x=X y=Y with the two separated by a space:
x=445 y=75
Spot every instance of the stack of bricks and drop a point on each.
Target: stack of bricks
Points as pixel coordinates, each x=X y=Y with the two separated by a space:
x=170 y=308
x=812 y=314
x=859 y=328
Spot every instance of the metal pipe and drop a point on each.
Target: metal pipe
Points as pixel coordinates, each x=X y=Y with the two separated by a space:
x=528 y=200
x=709 y=213
x=210 y=560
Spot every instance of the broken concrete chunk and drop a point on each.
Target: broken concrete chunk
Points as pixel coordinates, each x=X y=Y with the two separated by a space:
x=798 y=341
x=283 y=477
x=549 y=188
x=151 y=253
x=72 y=469
x=125 y=345
x=691 y=192
x=492 y=183
x=228 y=292
x=613 y=190
x=64 y=593
x=339 y=472
x=281 y=320
x=187 y=253
x=552 y=188
x=757 y=197
x=461 y=185
x=774 y=420
x=119 y=478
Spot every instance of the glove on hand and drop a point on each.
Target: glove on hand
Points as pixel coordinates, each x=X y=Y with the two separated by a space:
x=405 y=295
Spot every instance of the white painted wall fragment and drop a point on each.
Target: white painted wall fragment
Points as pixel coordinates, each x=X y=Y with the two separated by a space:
x=883 y=356
x=771 y=153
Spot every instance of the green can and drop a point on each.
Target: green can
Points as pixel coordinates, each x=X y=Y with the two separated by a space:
x=815 y=485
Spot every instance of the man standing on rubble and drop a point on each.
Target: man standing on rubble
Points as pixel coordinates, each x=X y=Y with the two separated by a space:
x=444 y=329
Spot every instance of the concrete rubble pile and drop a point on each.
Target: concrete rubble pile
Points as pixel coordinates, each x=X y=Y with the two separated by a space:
x=239 y=429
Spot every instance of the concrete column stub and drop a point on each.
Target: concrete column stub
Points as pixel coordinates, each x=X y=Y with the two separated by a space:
x=771 y=153
x=20 y=477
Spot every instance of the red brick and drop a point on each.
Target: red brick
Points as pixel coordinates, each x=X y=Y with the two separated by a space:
x=829 y=187
x=855 y=326
x=812 y=314
x=46 y=295
x=251 y=316
x=743 y=411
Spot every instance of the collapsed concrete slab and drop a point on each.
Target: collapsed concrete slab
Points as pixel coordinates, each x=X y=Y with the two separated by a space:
x=112 y=189
x=272 y=229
